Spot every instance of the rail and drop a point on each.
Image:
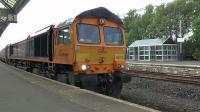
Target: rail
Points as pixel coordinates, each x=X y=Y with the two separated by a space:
x=166 y=77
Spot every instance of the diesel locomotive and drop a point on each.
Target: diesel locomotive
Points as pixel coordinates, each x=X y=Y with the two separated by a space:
x=87 y=51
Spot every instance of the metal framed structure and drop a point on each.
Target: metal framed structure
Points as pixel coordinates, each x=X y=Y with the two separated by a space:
x=8 y=12
x=153 y=50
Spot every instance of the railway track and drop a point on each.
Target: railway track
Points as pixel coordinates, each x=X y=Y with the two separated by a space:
x=166 y=77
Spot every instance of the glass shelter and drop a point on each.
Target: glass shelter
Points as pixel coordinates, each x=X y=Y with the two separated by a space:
x=160 y=49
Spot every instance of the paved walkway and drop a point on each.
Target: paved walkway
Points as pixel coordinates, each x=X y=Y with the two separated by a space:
x=24 y=92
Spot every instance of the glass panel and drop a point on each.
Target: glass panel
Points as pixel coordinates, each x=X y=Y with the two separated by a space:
x=159 y=57
x=146 y=52
x=131 y=53
x=153 y=52
x=152 y=57
x=174 y=52
x=158 y=52
x=173 y=57
x=66 y=34
x=136 y=50
x=146 y=48
x=165 y=57
x=169 y=47
x=169 y=52
x=60 y=38
x=165 y=52
x=153 y=48
x=113 y=36
x=173 y=47
x=158 y=48
x=88 y=34
x=141 y=52
x=141 y=48
x=164 y=47
x=141 y=57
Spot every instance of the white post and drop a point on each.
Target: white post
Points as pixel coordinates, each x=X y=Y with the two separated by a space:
x=162 y=53
x=149 y=53
x=127 y=52
x=181 y=53
x=138 y=54
x=155 y=53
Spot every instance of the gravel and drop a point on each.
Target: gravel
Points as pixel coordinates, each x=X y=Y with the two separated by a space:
x=162 y=95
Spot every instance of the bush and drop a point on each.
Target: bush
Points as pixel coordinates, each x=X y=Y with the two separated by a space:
x=196 y=54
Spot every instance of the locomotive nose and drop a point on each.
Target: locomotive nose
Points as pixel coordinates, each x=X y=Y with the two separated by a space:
x=99 y=59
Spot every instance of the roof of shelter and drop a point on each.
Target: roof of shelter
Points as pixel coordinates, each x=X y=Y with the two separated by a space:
x=8 y=12
x=152 y=42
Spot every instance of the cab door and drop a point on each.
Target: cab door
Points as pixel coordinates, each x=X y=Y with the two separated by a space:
x=63 y=46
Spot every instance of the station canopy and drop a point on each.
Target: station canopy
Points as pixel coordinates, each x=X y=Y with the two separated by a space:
x=8 y=12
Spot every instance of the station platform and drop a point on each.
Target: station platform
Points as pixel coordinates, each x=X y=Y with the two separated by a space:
x=169 y=63
x=184 y=68
x=21 y=91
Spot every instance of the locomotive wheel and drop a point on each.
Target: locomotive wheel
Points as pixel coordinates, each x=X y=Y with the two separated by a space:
x=110 y=85
x=89 y=82
x=53 y=76
x=115 y=88
x=29 y=69
x=35 y=71
x=62 y=78
x=71 y=78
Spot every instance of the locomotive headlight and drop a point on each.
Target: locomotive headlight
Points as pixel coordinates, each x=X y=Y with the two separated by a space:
x=83 y=67
x=122 y=66
x=77 y=48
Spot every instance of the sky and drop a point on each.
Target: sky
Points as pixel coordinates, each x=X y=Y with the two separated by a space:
x=38 y=14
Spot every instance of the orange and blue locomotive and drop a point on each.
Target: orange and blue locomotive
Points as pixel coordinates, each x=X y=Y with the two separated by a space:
x=88 y=51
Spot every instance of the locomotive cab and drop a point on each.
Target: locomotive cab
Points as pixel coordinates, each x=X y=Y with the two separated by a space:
x=100 y=46
x=99 y=51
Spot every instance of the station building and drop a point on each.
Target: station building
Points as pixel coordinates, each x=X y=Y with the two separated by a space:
x=159 y=49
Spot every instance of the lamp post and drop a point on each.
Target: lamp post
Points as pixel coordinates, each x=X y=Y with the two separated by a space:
x=181 y=40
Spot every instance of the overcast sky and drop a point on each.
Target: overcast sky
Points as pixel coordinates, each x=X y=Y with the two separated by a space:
x=38 y=14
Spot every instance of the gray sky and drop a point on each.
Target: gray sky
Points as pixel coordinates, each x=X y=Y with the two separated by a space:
x=38 y=14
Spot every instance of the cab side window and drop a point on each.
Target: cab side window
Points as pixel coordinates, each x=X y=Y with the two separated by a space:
x=64 y=36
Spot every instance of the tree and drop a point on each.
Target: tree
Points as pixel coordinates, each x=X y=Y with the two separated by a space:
x=147 y=20
x=133 y=26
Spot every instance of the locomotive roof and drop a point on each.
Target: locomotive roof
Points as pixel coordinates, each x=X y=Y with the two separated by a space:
x=100 y=12
x=46 y=29
x=65 y=23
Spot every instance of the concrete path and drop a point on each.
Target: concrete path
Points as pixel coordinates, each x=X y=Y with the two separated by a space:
x=21 y=91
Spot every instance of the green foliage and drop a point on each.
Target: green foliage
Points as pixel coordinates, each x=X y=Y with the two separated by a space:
x=196 y=28
x=188 y=49
x=160 y=21
x=196 y=54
